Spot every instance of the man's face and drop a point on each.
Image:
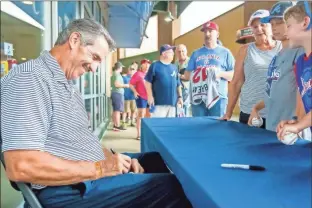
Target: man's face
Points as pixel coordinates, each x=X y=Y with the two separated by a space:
x=295 y=32
x=211 y=36
x=181 y=53
x=145 y=67
x=279 y=29
x=168 y=55
x=86 y=58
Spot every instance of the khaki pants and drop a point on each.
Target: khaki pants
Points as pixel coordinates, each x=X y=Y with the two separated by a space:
x=130 y=106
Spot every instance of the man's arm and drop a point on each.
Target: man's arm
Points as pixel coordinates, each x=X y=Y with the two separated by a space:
x=119 y=85
x=229 y=66
x=191 y=66
x=149 y=77
x=237 y=82
x=227 y=75
x=43 y=168
x=149 y=91
x=136 y=94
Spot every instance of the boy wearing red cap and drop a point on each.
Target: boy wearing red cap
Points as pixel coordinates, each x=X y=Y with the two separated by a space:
x=219 y=61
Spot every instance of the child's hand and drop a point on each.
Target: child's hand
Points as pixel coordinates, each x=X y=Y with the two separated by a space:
x=290 y=126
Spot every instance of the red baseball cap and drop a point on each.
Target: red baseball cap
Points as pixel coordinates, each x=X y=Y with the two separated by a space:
x=145 y=61
x=210 y=25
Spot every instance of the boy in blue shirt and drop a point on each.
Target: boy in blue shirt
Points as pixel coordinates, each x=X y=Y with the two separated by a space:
x=163 y=84
x=298 y=20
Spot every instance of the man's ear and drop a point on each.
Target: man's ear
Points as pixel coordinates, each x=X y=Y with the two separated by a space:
x=218 y=34
x=74 y=40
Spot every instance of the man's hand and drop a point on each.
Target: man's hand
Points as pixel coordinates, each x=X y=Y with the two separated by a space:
x=136 y=167
x=114 y=164
x=126 y=86
x=287 y=126
x=150 y=100
x=254 y=114
x=136 y=95
x=180 y=102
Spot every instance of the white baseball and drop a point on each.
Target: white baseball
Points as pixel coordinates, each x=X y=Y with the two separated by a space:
x=257 y=122
x=289 y=138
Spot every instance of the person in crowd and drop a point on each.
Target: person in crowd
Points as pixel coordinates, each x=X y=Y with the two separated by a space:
x=251 y=69
x=220 y=61
x=118 y=86
x=163 y=84
x=299 y=23
x=182 y=62
x=244 y=36
x=280 y=76
x=135 y=66
x=138 y=88
x=128 y=115
x=47 y=143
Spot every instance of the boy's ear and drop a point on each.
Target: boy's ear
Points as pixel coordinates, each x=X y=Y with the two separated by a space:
x=307 y=23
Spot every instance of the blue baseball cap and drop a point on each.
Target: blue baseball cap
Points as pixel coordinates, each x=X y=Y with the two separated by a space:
x=277 y=11
x=166 y=47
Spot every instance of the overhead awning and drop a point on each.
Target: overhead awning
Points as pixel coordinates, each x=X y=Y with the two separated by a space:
x=127 y=22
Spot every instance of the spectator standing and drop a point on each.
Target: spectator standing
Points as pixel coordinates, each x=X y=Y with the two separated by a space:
x=128 y=115
x=220 y=61
x=182 y=62
x=163 y=84
x=251 y=69
x=118 y=86
x=138 y=88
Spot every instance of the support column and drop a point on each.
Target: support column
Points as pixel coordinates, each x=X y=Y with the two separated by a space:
x=168 y=31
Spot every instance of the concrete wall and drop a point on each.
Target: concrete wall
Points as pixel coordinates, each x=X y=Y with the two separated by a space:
x=195 y=38
x=151 y=56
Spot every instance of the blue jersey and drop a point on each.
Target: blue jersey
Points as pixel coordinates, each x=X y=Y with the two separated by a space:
x=165 y=80
x=128 y=94
x=219 y=58
x=303 y=74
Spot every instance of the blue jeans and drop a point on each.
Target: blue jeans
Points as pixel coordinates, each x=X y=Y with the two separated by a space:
x=218 y=110
x=156 y=188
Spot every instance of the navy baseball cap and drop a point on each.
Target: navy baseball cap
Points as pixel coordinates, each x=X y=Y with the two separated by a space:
x=277 y=11
x=166 y=47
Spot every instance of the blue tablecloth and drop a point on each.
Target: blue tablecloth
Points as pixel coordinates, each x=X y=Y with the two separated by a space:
x=194 y=149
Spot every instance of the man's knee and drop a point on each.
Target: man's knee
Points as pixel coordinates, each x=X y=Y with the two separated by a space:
x=152 y=162
x=140 y=114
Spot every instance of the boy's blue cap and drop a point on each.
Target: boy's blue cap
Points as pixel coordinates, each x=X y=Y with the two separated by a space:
x=277 y=11
x=166 y=47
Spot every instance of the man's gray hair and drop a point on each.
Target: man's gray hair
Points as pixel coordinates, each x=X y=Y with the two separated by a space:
x=89 y=30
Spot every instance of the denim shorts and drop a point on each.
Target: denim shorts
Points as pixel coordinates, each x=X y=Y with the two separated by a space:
x=141 y=103
x=118 y=101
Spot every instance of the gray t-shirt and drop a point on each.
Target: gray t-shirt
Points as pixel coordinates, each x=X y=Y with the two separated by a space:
x=281 y=88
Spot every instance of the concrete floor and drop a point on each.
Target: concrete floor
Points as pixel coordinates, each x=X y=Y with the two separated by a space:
x=122 y=141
